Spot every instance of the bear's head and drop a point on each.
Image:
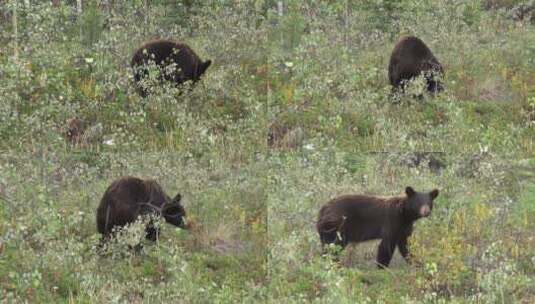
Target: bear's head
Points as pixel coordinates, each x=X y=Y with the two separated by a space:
x=201 y=68
x=174 y=213
x=419 y=204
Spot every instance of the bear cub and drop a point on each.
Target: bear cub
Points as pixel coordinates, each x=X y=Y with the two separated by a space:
x=128 y=198
x=176 y=62
x=410 y=58
x=358 y=218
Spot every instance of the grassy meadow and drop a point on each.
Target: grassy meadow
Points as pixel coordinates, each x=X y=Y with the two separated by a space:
x=295 y=109
x=49 y=237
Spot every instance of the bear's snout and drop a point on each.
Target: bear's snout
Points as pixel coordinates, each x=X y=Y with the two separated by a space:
x=425 y=211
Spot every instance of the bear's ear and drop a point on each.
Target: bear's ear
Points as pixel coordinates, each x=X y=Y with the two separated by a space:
x=173 y=210
x=176 y=199
x=434 y=193
x=409 y=191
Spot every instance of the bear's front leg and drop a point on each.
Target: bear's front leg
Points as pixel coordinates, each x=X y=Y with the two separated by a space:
x=385 y=252
x=151 y=233
x=404 y=250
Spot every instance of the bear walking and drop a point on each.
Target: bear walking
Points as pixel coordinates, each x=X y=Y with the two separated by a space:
x=410 y=58
x=129 y=197
x=176 y=62
x=358 y=218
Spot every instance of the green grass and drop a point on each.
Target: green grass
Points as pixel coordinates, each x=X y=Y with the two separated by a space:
x=315 y=79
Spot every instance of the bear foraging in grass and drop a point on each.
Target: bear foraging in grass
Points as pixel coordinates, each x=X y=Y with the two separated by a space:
x=410 y=58
x=176 y=62
x=128 y=198
x=358 y=218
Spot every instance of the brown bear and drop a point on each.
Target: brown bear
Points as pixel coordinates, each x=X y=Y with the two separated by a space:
x=176 y=62
x=410 y=58
x=128 y=198
x=358 y=218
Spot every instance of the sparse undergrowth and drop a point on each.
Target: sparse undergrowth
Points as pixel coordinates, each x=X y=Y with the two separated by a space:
x=477 y=246
x=50 y=243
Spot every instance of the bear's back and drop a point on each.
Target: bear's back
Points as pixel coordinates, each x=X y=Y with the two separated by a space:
x=358 y=207
x=165 y=51
x=359 y=217
x=410 y=47
x=352 y=203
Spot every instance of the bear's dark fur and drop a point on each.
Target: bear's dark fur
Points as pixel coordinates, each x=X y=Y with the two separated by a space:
x=410 y=58
x=129 y=197
x=177 y=63
x=358 y=218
